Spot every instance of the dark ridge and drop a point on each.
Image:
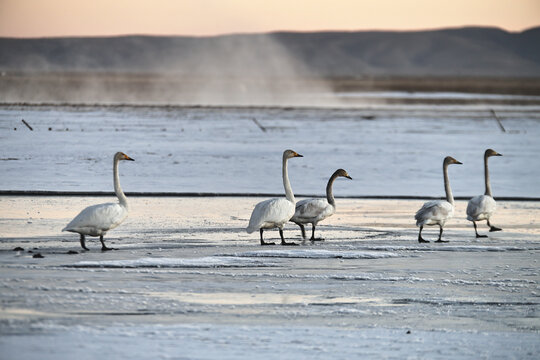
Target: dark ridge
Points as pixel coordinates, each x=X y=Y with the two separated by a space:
x=210 y=194
x=470 y=51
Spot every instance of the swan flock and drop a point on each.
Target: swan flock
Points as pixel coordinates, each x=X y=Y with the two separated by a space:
x=97 y=220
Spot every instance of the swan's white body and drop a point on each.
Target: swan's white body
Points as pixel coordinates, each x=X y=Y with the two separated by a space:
x=271 y=213
x=274 y=213
x=481 y=207
x=96 y=220
x=312 y=211
x=437 y=212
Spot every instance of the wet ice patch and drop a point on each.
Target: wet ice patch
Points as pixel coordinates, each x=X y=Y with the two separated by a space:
x=462 y=302
x=203 y=262
x=478 y=248
x=317 y=254
x=210 y=341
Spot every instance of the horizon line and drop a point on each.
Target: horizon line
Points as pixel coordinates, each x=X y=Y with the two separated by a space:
x=269 y=32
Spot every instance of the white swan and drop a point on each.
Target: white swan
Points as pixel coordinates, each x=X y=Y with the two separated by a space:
x=312 y=211
x=481 y=207
x=96 y=220
x=436 y=212
x=275 y=212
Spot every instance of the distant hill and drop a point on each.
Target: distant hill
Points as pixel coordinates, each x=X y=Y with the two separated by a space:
x=449 y=52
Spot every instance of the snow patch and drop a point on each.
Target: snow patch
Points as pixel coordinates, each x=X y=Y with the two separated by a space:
x=204 y=262
x=317 y=254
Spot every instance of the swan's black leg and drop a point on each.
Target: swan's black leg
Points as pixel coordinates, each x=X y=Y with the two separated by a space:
x=283 y=239
x=440 y=235
x=262 y=241
x=103 y=247
x=477 y=235
x=303 y=230
x=82 y=243
x=313 y=234
x=420 y=238
x=493 y=228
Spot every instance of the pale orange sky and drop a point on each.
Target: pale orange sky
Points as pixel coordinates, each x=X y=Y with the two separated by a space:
x=45 y=18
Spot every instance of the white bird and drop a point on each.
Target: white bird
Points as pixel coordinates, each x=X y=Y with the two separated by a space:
x=312 y=211
x=481 y=207
x=275 y=212
x=437 y=212
x=96 y=220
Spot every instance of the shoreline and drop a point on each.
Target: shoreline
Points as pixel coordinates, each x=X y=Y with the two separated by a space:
x=151 y=194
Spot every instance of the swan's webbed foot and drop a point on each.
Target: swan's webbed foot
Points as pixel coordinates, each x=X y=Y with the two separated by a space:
x=492 y=228
x=262 y=241
x=283 y=243
x=83 y=245
x=481 y=236
x=316 y=239
x=283 y=240
x=103 y=246
x=420 y=238
x=439 y=240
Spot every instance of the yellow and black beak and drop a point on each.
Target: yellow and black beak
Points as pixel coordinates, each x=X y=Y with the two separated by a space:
x=128 y=158
x=348 y=177
x=298 y=155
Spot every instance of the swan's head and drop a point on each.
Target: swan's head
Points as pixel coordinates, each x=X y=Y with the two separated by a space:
x=491 y=152
x=342 y=173
x=450 y=160
x=287 y=154
x=121 y=156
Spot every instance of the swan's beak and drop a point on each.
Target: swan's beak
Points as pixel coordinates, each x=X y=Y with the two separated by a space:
x=497 y=154
x=458 y=162
x=298 y=155
x=348 y=177
x=128 y=158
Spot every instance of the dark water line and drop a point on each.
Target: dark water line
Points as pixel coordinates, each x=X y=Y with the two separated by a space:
x=218 y=194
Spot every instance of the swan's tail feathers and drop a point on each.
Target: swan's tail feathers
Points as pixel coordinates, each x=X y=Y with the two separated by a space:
x=69 y=228
x=420 y=218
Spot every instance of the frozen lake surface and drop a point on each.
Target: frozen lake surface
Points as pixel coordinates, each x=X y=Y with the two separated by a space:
x=187 y=281
x=387 y=149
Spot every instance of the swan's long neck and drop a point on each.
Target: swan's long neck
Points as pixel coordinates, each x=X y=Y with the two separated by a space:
x=117 y=188
x=449 y=196
x=329 y=192
x=486 y=177
x=286 y=184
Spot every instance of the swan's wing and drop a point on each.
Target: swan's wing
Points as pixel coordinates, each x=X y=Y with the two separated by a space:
x=101 y=217
x=309 y=210
x=480 y=206
x=278 y=210
x=433 y=212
